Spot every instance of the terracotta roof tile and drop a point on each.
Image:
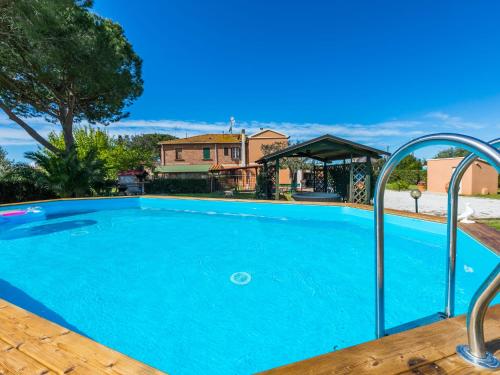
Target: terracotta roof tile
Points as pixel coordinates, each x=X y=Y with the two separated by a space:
x=206 y=138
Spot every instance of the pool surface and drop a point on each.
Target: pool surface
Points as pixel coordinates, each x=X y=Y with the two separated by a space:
x=217 y=287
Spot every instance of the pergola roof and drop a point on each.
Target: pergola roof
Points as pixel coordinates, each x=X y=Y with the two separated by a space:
x=325 y=148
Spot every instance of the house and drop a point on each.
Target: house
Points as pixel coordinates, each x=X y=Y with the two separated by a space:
x=231 y=157
x=480 y=177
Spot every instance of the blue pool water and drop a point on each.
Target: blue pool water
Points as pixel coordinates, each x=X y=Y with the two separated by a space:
x=155 y=278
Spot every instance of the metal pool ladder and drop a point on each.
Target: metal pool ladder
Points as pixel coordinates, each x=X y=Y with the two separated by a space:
x=476 y=352
x=488 y=289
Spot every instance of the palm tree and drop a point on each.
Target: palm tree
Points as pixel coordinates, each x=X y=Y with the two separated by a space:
x=69 y=175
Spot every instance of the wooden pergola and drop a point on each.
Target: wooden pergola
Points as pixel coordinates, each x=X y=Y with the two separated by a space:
x=351 y=178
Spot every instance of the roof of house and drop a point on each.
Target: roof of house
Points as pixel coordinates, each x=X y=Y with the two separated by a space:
x=261 y=131
x=228 y=167
x=325 y=148
x=205 y=138
x=183 y=168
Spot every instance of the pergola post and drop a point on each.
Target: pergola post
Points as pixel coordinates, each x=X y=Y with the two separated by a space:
x=368 y=179
x=351 y=180
x=314 y=177
x=325 y=178
x=277 y=180
x=266 y=176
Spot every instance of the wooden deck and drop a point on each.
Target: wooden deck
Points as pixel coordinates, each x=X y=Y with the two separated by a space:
x=488 y=236
x=32 y=345
x=424 y=351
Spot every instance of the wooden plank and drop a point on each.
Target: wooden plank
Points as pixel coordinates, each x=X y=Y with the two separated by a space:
x=109 y=358
x=55 y=359
x=5 y=371
x=61 y=350
x=15 y=362
x=452 y=365
x=490 y=237
x=398 y=353
x=29 y=339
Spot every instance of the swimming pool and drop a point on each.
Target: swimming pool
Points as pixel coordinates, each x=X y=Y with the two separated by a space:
x=155 y=278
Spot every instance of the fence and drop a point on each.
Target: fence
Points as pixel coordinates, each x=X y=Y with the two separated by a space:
x=212 y=183
x=238 y=182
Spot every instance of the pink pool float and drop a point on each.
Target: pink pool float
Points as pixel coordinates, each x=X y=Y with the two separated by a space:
x=30 y=212
x=13 y=213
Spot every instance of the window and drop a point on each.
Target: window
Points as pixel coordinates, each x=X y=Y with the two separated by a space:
x=235 y=153
x=178 y=154
x=206 y=153
x=226 y=151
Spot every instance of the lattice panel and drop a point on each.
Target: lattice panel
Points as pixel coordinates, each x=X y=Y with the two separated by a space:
x=318 y=180
x=338 y=179
x=359 y=182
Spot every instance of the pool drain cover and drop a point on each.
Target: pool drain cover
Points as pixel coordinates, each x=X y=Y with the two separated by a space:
x=240 y=278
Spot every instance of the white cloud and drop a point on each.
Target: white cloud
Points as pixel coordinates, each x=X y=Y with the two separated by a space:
x=454 y=121
x=391 y=133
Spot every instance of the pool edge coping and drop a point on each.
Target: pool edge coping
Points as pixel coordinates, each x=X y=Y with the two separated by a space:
x=43 y=345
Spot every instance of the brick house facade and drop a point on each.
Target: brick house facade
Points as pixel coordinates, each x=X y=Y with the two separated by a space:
x=227 y=154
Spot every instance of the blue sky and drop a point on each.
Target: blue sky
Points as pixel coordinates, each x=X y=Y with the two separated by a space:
x=379 y=72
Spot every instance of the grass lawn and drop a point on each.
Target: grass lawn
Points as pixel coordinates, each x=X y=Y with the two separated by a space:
x=394 y=186
x=494 y=223
x=237 y=195
x=491 y=196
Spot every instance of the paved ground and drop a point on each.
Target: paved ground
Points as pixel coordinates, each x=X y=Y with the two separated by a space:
x=435 y=204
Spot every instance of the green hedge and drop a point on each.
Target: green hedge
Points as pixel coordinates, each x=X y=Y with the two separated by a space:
x=177 y=186
x=408 y=177
x=13 y=192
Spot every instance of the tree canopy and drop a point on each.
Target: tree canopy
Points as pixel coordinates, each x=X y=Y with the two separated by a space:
x=410 y=163
x=118 y=154
x=93 y=165
x=451 y=152
x=147 y=145
x=4 y=162
x=63 y=63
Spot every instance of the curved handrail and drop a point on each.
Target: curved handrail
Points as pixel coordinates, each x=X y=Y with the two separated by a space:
x=471 y=144
x=451 y=240
x=476 y=352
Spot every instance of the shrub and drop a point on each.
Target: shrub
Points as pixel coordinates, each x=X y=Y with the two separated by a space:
x=18 y=183
x=398 y=185
x=408 y=177
x=177 y=186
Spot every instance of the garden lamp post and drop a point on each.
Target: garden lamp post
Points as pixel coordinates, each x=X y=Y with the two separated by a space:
x=416 y=194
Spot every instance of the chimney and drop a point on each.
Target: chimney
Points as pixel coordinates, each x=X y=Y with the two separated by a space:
x=243 y=148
